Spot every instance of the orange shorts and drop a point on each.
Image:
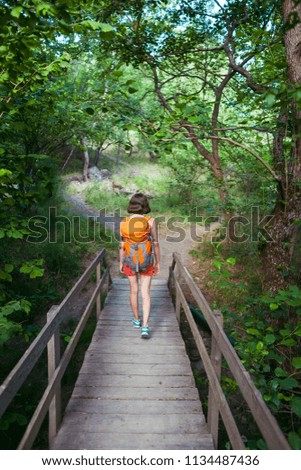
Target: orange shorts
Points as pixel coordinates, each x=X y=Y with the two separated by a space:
x=148 y=272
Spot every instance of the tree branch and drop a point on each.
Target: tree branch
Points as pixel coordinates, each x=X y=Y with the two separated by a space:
x=258 y=157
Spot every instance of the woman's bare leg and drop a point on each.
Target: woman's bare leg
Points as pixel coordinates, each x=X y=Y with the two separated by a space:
x=145 y=282
x=133 y=280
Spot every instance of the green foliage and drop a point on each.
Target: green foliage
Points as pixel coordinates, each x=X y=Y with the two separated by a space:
x=9 y=327
x=265 y=330
x=267 y=338
x=135 y=75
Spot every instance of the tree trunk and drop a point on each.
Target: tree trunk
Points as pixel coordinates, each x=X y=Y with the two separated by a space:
x=85 y=159
x=97 y=156
x=279 y=254
x=189 y=131
x=118 y=155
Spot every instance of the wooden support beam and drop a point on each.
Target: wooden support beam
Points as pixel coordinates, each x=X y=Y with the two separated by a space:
x=54 y=356
x=216 y=360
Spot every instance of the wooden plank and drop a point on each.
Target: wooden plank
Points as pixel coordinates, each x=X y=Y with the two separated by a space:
x=114 y=334
x=128 y=349
x=70 y=440
x=126 y=323
x=124 y=281
x=123 y=327
x=124 y=294
x=139 y=393
x=138 y=369
x=134 y=334
x=134 y=407
x=145 y=345
x=146 y=359
x=125 y=288
x=135 y=381
x=116 y=301
x=124 y=311
x=162 y=424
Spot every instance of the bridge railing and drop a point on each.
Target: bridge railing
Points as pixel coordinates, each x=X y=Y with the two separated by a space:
x=222 y=348
x=50 y=337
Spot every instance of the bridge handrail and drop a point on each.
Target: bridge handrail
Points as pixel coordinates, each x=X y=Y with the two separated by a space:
x=217 y=403
x=49 y=337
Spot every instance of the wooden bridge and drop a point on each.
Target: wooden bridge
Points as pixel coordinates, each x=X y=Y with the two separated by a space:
x=134 y=393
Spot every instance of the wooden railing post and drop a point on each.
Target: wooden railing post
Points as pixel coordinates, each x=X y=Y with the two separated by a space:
x=54 y=356
x=98 y=298
x=216 y=360
x=178 y=305
x=171 y=273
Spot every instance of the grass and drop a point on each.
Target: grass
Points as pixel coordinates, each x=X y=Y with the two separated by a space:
x=232 y=274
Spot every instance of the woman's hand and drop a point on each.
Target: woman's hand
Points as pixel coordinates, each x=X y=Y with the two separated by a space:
x=121 y=268
x=157 y=269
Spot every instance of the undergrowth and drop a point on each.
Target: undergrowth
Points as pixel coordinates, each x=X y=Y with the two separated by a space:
x=38 y=273
x=265 y=330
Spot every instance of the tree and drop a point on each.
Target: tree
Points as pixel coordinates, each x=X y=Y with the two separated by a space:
x=279 y=255
x=240 y=49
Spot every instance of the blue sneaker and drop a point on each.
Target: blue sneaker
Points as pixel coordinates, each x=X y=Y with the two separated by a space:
x=136 y=323
x=145 y=332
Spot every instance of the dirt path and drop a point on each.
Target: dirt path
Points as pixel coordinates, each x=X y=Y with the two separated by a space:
x=179 y=240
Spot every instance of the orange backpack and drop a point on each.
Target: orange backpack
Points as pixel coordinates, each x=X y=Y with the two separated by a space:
x=137 y=242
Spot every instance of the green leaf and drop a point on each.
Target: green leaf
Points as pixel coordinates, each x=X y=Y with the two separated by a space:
x=297 y=332
x=5 y=172
x=288 y=342
x=217 y=264
x=193 y=119
x=106 y=28
x=274 y=306
x=96 y=25
x=288 y=384
x=294 y=440
x=280 y=372
x=285 y=332
x=270 y=339
x=296 y=362
x=32 y=268
x=270 y=99
x=36 y=272
x=8 y=268
x=89 y=110
x=231 y=261
x=132 y=90
x=45 y=8
x=5 y=276
x=2 y=233
x=16 y=12
x=253 y=331
x=296 y=406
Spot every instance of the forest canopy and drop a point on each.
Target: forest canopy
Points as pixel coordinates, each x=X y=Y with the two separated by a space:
x=210 y=91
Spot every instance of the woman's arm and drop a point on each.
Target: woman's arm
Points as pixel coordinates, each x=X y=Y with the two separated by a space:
x=121 y=253
x=155 y=237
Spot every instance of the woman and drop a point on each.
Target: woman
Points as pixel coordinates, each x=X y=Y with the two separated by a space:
x=139 y=254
